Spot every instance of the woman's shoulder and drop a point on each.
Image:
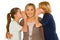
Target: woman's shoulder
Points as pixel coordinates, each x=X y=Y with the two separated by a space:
x=48 y=15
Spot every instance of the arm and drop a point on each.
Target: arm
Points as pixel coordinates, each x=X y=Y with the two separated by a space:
x=38 y=24
x=48 y=19
x=24 y=29
x=44 y=22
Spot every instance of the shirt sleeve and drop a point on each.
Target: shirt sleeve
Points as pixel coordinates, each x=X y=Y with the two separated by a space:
x=45 y=21
x=22 y=22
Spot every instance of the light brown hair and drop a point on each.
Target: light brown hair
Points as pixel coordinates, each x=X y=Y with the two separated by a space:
x=45 y=6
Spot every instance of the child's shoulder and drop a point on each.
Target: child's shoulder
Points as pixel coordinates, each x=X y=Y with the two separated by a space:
x=13 y=22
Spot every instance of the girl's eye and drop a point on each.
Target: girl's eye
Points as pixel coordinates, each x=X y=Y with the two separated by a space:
x=27 y=9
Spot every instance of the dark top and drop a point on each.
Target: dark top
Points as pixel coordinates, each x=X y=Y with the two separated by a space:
x=48 y=25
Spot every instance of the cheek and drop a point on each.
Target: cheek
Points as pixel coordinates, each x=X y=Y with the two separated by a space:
x=27 y=13
x=33 y=13
x=19 y=15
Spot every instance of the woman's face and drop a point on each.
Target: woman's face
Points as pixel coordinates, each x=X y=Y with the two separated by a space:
x=30 y=11
x=18 y=14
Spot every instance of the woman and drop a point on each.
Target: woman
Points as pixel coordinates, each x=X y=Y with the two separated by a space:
x=13 y=25
x=47 y=22
x=34 y=32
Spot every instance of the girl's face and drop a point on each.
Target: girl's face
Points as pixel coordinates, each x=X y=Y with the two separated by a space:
x=30 y=11
x=18 y=14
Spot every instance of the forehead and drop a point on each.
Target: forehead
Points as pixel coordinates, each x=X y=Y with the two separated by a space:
x=30 y=7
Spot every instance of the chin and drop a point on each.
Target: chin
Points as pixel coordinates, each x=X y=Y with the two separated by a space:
x=30 y=16
x=20 y=17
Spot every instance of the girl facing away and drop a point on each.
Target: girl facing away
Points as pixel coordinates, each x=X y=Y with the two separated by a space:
x=13 y=26
x=47 y=22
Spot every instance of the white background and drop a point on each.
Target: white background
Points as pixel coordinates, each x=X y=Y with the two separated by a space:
x=7 y=5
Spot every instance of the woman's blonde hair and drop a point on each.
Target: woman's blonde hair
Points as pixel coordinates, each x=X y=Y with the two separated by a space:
x=45 y=6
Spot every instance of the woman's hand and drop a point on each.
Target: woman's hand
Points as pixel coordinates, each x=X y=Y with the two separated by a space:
x=24 y=15
x=24 y=29
x=38 y=24
x=37 y=12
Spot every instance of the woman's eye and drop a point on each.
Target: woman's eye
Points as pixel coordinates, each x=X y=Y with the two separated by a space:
x=31 y=9
x=27 y=9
